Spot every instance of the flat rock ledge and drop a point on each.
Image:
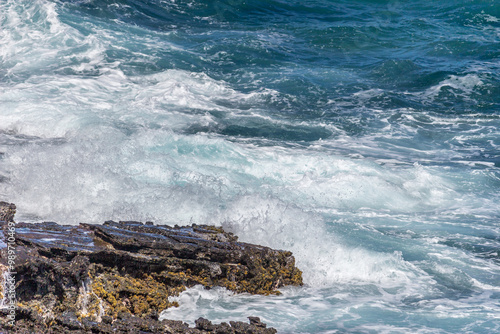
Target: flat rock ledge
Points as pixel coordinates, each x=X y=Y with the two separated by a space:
x=117 y=277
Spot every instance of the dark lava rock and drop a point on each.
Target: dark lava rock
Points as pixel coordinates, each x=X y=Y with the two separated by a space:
x=117 y=277
x=134 y=325
x=7 y=212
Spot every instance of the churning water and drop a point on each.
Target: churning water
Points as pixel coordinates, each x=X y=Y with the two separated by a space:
x=361 y=135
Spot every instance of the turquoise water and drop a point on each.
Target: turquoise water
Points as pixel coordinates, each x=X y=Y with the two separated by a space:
x=361 y=135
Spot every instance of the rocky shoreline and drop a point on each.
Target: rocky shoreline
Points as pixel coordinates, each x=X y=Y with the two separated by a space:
x=116 y=277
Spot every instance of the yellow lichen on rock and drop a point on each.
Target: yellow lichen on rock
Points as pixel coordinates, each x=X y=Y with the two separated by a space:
x=131 y=269
x=3 y=270
x=134 y=295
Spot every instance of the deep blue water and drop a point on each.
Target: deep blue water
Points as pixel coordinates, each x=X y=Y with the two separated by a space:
x=361 y=135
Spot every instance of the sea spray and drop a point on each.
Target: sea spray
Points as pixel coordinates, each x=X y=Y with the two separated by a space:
x=362 y=136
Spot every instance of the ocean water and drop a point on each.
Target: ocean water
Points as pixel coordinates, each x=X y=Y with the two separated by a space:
x=361 y=135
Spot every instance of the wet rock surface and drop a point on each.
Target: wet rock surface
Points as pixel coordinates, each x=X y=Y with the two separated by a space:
x=117 y=277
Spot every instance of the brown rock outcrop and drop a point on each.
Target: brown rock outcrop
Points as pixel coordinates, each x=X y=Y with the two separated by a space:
x=89 y=277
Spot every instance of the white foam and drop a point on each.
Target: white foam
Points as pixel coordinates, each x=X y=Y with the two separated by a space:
x=462 y=85
x=100 y=144
x=103 y=125
x=365 y=95
x=487 y=17
x=220 y=305
x=323 y=258
x=185 y=89
x=270 y=196
x=32 y=36
x=491 y=18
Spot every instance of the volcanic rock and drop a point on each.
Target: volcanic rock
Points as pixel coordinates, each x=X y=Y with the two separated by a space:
x=117 y=277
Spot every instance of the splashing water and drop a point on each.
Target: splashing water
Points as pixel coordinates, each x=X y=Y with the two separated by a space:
x=362 y=136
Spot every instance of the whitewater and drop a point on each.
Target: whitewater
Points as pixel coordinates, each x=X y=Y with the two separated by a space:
x=362 y=135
